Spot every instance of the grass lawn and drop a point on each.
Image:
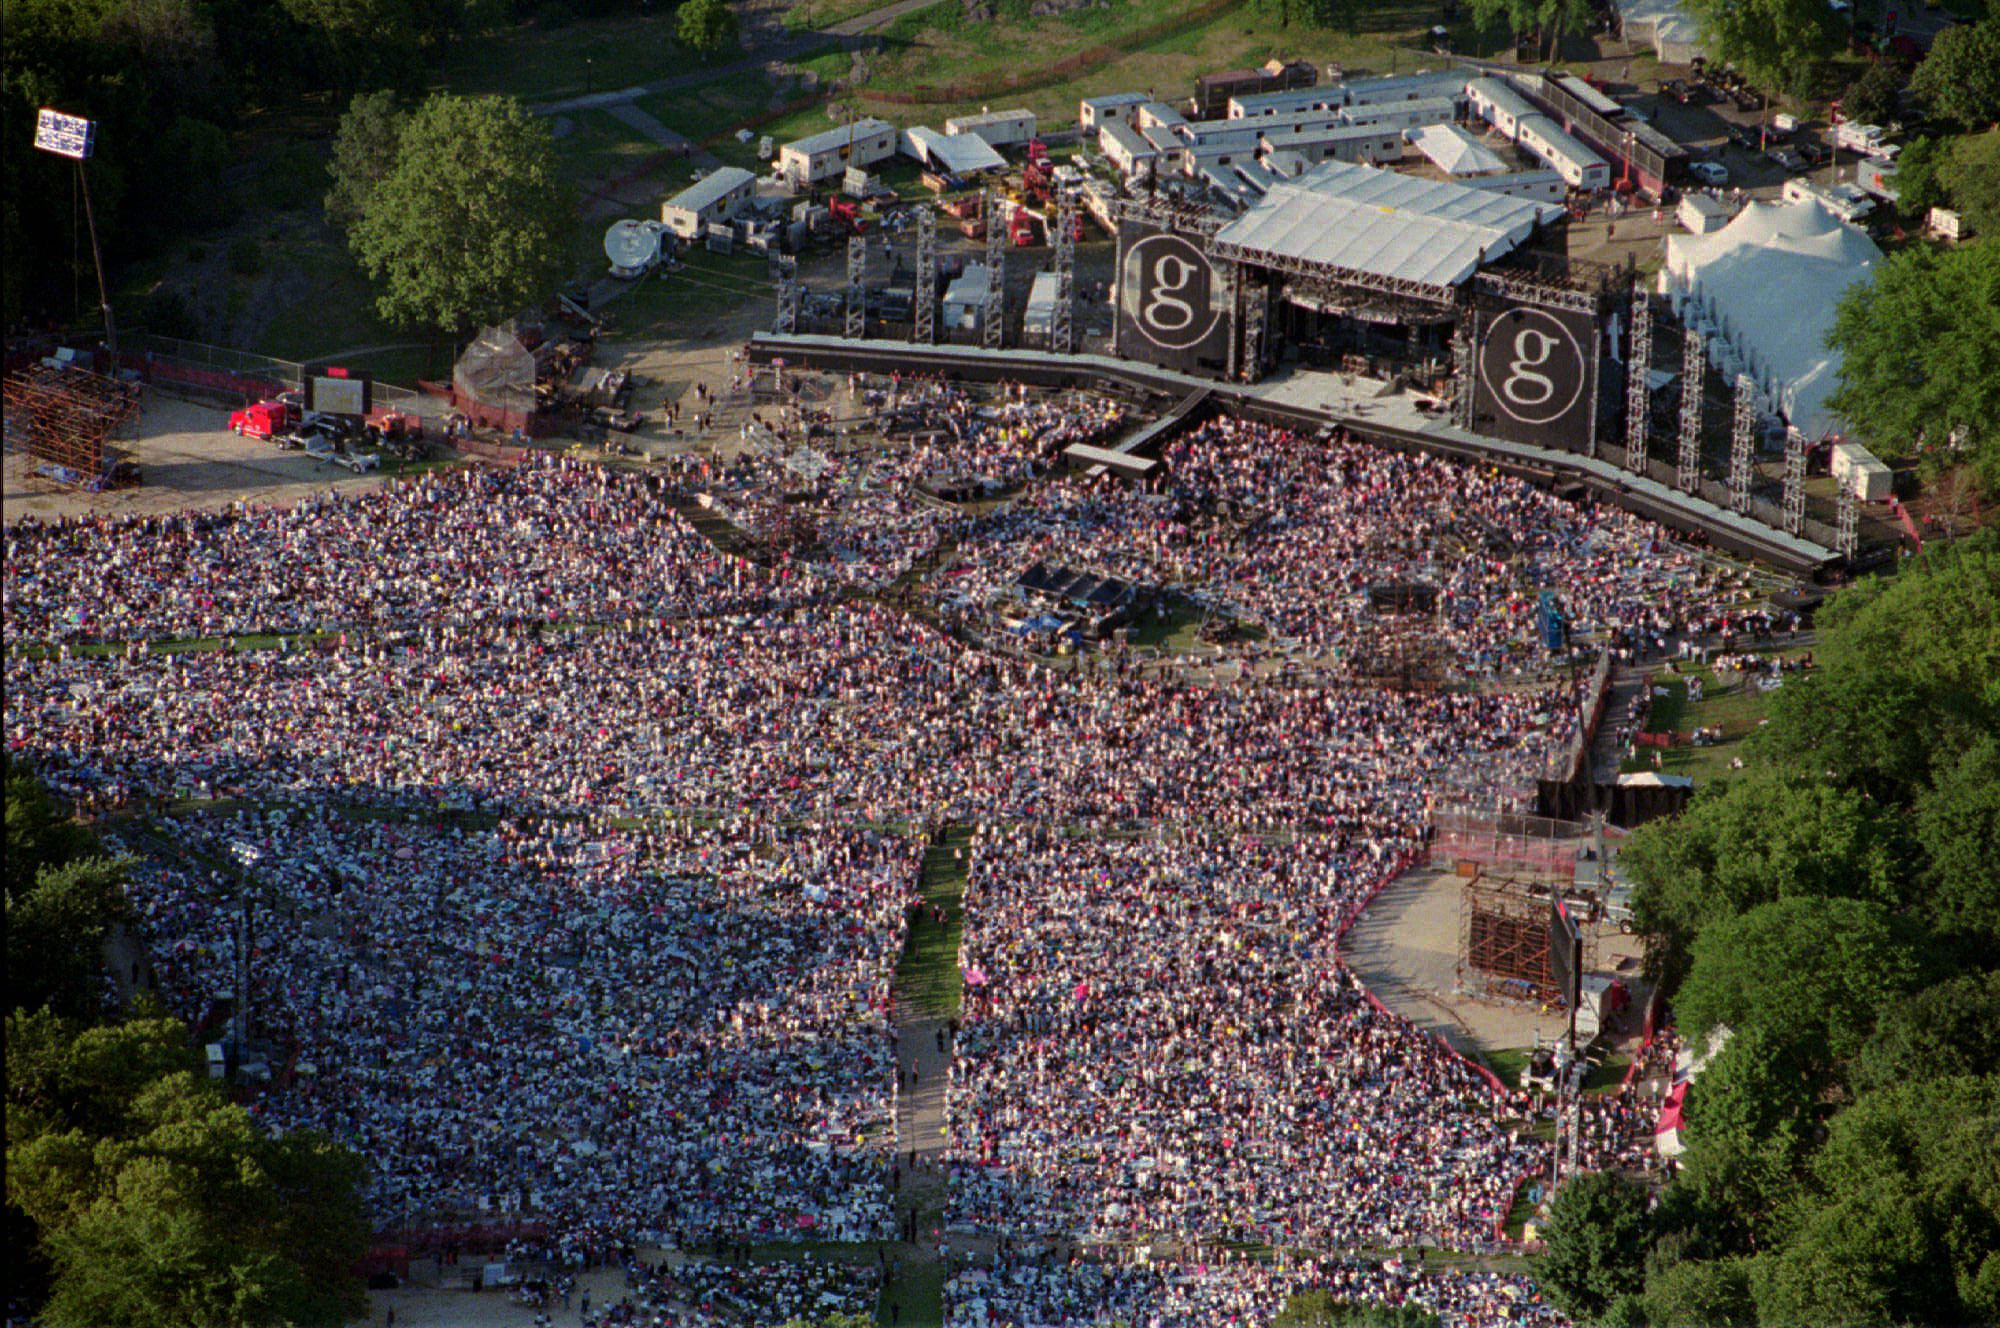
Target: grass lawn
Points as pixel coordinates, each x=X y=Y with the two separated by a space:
x=548 y=64
x=707 y=286
x=1735 y=708
x=928 y=981
x=918 y=1291
x=1507 y=1063
x=942 y=50
x=1606 y=1077
x=1175 y=633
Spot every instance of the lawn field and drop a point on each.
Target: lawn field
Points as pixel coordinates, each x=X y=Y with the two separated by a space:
x=1736 y=707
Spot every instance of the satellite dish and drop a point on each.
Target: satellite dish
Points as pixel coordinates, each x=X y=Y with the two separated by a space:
x=633 y=244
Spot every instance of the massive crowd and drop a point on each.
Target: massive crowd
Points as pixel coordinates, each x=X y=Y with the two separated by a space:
x=1222 y=1290
x=613 y=942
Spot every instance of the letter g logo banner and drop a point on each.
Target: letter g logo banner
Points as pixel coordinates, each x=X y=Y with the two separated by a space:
x=1532 y=366
x=1165 y=287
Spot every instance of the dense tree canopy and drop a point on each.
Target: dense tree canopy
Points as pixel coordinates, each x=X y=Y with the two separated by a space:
x=1920 y=345
x=1950 y=1029
x=1780 y=44
x=473 y=222
x=364 y=151
x=705 y=25
x=1960 y=79
x=1773 y=834
x=1593 y=1244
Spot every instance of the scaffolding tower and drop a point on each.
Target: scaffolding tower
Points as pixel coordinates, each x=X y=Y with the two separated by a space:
x=1795 y=482
x=788 y=297
x=1462 y=344
x=993 y=312
x=1694 y=367
x=67 y=417
x=1847 y=518
x=857 y=293
x=1638 y=383
x=1742 y=442
x=1062 y=323
x=923 y=324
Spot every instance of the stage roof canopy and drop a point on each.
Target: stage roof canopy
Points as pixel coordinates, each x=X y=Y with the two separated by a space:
x=1366 y=219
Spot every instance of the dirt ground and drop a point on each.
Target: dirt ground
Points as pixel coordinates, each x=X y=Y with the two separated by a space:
x=191 y=462
x=1405 y=949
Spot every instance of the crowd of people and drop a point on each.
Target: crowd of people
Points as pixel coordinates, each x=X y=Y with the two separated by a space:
x=1289 y=533
x=1225 y=1290
x=679 y=1034
x=1158 y=1041
x=583 y=852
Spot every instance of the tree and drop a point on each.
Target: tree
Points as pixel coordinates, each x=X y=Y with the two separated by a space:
x=1871 y=98
x=1958 y=823
x=364 y=152
x=1960 y=79
x=1343 y=14
x=56 y=931
x=39 y=833
x=1593 y=1244
x=1920 y=348
x=362 y=43
x=1702 y=1293
x=189 y=1215
x=1902 y=1224
x=472 y=224
x=1971 y=175
x=1751 y=1122
x=1949 y=1029
x=706 y=25
x=1815 y=971
x=1766 y=835
x=1917 y=187
x=1319 y=1309
x=1778 y=43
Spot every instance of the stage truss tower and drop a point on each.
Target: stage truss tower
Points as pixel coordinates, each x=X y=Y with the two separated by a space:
x=993 y=313
x=923 y=322
x=1795 y=483
x=857 y=293
x=1742 y=442
x=1638 y=388
x=1062 y=324
x=1847 y=521
x=1694 y=371
x=788 y=297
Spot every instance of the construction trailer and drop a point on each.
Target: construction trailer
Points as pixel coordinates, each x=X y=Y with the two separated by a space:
x=716 y=197
x=1093 y=113
x=826 y=156
x=1000 y=129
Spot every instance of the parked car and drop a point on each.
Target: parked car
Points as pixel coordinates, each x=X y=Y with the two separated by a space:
x=1788 y=158
x=1709 y=172
x=358 y=462
x=1814 y=153
x=1743 y=137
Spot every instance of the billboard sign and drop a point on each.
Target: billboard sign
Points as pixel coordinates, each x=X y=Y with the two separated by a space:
x=1536 y=371
x=65 y=135
x=337 y=392
x=1172 y=306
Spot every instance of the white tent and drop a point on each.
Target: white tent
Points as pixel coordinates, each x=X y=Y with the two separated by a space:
x=1767 y=285
x=1454 y=151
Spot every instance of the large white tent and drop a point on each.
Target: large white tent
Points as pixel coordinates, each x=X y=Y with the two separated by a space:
x=1765 y=288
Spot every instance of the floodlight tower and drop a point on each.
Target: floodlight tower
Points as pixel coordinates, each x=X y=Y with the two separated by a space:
x=857 y=294
x=1062 y=324
x=74 y=137
x=993 y=311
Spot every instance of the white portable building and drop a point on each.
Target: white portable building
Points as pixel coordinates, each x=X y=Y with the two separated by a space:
x=1859 y=471
x=1702 y=214
x=1000 y=129
x=1553 y=147
x=1096 y=112
x=965 y=298
x=1130 y=152
x=1542 y=186
x=1038 y=320
x=716 y=197
x=827 y=155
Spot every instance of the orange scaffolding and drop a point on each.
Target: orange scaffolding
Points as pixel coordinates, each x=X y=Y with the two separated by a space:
x=67 y=417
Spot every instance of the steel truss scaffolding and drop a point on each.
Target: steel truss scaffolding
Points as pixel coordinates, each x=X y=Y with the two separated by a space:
x=788 y=298
x=923 y=323
x=1062 y=323
x=1256 y=309
x=1742 y=442
x=1847 y=518
x=1694 y=372
x=67 y=417
x=1638 y=383
x=993 y=312
x=857 y=288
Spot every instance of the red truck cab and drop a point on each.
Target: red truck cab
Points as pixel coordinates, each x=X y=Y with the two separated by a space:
x=390 y=423
x=265 y=419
